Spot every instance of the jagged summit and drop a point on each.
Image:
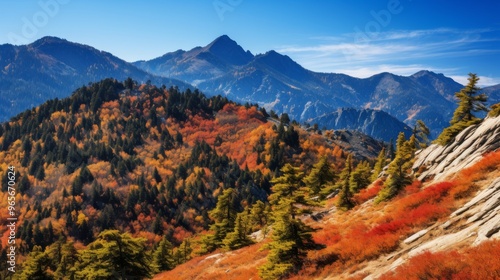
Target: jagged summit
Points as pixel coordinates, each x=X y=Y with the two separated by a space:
x=282 y=65
x=228 y=50
x=223 y=67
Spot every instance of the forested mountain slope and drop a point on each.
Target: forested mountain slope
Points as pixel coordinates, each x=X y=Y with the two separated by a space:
x=445 y=226
x=148 y=162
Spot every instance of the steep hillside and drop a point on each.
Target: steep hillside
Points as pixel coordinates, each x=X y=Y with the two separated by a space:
x=147 y=161
x=444 y=227
x=53 y=67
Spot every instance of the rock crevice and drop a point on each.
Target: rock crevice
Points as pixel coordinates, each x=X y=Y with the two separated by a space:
x=469 y=146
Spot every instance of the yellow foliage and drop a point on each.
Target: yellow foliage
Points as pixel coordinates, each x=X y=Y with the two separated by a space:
x=81 y=218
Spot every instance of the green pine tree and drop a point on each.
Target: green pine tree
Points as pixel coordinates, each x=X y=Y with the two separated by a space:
x=291 y=238
x=379 y=165
x=163 y=258
x=399 y=168
x=290 y=185
x=185 y=250
x=224 y=216
x=345 y=195
x=114 y=255
x=360 y=177
x=421 y=132
x=259 y=216
x=321 y=176
x=239 y=237
x=470 y=101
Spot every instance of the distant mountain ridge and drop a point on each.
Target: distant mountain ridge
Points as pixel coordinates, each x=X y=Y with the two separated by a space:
x=200 y=63
x=375 y=123
x=53 y=67
x=277 y=82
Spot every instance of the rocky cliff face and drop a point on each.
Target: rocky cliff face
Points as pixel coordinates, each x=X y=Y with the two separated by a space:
x=477 y=220
x=469 y=146
x=375 y=123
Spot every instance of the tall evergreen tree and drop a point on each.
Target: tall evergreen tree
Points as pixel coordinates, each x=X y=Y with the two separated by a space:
x=398 y=170
x=290 y=185
x=185 y=250
x=345 y=195
x=321 y=176
x=24 y=184
x=239 y=236
x=360 y=176
x=291 y=238
x=469 y=101
x=259 y=215
x=379 y=165
x=163 y=258
x=115 y=255
x=421 y=132
x=224 y=216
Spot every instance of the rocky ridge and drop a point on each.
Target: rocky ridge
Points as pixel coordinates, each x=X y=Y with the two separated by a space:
x=476 y=221
x=469 y=146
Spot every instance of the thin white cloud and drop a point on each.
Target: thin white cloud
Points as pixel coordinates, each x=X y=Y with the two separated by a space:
x=400 y=52
x=484 y=81
x=402 y=70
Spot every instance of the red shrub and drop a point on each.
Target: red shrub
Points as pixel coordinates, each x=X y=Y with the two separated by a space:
x=327 y=236
x=385 y=228
x=479 y=262
x=426 y=212
x=368 y=193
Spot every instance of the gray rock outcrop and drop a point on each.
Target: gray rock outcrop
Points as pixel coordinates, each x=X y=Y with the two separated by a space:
x=469 y=146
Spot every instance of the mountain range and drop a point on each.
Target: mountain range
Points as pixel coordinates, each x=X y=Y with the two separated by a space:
x=277 y=82
x=53 y=67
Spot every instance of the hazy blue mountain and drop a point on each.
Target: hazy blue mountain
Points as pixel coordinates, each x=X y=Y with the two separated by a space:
x=200 y=63
x=277 y=82
x=493 y=93
x=53 y=67
x=375 y=123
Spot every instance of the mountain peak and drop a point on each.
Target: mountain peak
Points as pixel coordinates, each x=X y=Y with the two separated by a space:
x=228 y=50
x=274 y=58
x=422 y=73
x=49 y=40
x=223 y=39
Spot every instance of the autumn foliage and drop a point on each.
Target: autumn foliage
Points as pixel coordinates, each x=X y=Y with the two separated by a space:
x=479 y=262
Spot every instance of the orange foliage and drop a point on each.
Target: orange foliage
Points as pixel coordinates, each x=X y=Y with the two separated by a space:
x=368 y=193
x=479 y=262
x=359 y=241
x=467 y=178
x=327 y=236
x=241 y=264
x=180 y=234
x=367 y=235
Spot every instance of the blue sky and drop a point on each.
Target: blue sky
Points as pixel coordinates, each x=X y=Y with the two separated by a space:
x=359 y=38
